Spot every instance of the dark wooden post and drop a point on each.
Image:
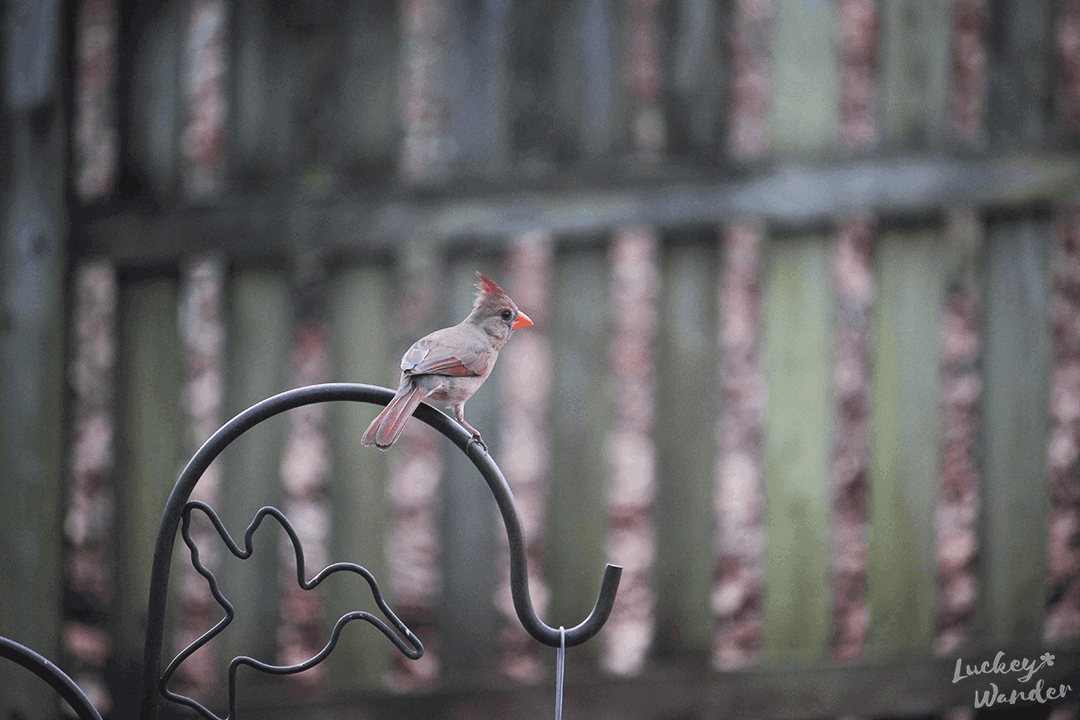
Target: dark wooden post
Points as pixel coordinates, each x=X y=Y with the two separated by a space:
x=33 y=250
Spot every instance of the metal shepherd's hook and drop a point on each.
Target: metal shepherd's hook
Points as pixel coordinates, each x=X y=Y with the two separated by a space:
x=352 y=392
x=519 y=577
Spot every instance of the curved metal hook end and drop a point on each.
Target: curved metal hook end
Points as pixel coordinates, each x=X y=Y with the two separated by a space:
x=605 y=601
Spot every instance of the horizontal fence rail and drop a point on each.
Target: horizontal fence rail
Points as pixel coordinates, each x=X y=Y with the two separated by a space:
x=791 y=196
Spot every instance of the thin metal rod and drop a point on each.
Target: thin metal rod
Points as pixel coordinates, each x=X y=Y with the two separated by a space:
x=58 y=680
x=519 y=575
x=351 y=392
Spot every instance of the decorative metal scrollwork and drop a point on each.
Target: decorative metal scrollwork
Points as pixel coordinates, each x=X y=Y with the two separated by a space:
x=414 y=652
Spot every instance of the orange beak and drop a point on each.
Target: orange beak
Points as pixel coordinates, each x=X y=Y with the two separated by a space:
x=522 y=320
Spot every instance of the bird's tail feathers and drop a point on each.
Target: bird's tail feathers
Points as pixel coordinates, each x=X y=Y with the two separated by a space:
x=386 y=428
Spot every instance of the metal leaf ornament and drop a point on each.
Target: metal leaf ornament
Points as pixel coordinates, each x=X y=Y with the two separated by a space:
x=406 y=642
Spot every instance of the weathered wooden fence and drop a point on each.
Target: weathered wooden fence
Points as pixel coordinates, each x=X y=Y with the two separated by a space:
x=806 y=283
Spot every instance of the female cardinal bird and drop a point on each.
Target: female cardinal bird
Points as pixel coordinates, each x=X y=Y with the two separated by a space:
x=451 y=364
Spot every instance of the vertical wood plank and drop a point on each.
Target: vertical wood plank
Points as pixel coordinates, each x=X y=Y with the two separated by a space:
x=325 y=96
x=249 y=89
x=32 y=54
x=479 y=77
x=360 y=342
x=532 y=86
x=697 y=75
x=151 y=101
x=798 y=315
x=904 y=445
x=600 y=73
x=915 y=63
x=582 y=416
x=524 y=449
x=687 y=408
x=805 y=91
x=149 y=446
x=258 y=331
x=269 y=68
x=798 y=311
x=369 y=84
x=1019 y=53
x=33 y=263
x=586 y=73
x=1016 y=415
x=468 y=511
x=414 y=546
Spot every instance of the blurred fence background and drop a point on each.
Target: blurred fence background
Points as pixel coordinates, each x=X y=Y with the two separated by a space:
x=806 y=283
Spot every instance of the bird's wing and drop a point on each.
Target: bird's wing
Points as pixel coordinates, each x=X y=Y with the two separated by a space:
x=429 y=356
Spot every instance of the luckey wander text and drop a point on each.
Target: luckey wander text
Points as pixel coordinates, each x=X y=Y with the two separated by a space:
x=1023 y=671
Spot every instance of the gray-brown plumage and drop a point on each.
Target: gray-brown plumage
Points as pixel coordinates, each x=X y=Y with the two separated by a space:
x=450 y=365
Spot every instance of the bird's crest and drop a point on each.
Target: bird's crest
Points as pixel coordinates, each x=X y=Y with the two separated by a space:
x=486 y=285
x=488 y=291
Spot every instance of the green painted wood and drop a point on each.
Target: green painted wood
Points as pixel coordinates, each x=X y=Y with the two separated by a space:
x=257 y=136
x=582 y=415
x=688 y=405
x=905 y=444
x=798 y=317
x=34 y=257
x=1020 y=72
x=149 y=445
x=258 y=331
x=798 y=312
x=805 y=80
x=360 y=301
x=370 y=92
x=698 y=76
x=915 y=62
x=1015 y=486
x=468 y=516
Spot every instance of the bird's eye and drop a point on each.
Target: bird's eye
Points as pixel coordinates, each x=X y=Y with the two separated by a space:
x=506 y=315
